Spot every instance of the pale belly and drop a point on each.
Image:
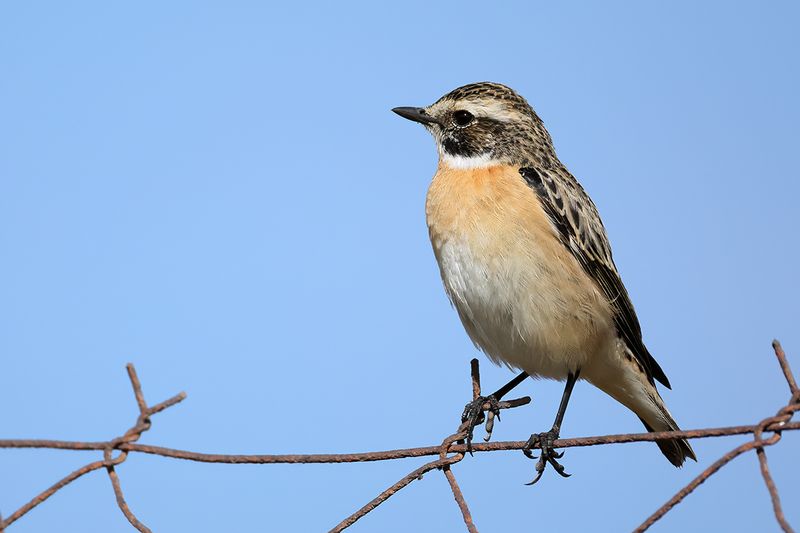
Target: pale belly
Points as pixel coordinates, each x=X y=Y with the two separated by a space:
x=521 y=296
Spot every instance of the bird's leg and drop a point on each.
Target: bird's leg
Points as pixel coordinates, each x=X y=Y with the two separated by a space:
x=473 y=411
x=546 y=439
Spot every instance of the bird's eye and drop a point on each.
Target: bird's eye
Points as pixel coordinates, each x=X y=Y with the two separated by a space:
x=462 y=118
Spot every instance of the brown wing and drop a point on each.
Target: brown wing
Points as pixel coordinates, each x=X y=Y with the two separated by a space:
x=580 y=229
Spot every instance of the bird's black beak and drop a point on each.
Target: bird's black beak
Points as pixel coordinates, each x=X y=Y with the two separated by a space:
x=417 y=114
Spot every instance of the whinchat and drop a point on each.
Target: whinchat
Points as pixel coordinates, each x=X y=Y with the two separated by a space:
x=526 y=262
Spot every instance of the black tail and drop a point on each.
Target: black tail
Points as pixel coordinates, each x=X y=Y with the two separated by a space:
x=675 y=450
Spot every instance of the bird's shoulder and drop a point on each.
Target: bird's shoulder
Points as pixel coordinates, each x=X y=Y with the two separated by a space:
x=573 y=212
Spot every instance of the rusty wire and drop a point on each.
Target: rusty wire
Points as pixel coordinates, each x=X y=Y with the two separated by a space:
x=109 y=462
x=449 y=452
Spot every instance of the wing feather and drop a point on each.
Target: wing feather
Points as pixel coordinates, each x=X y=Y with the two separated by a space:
x=580 y=229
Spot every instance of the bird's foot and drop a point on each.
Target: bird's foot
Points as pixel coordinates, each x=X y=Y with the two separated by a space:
x=548 y=454
x=473 y=416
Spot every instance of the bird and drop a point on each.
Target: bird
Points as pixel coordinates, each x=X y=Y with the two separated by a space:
x=526 y=262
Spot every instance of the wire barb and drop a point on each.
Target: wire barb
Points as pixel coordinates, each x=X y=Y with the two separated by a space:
x=137 y=388
x=787 y=371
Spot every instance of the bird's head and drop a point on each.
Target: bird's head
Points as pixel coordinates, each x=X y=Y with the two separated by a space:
x=483 y=124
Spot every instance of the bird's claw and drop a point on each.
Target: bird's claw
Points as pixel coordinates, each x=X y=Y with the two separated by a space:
x=548 y=454
x=473 y=416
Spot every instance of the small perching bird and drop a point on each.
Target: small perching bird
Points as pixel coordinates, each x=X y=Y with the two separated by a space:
x=526 y=262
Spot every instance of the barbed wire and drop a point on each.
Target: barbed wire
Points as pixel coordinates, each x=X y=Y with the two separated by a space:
x=451 y=451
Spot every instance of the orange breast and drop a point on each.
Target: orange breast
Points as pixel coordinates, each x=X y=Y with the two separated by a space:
x=492 y=204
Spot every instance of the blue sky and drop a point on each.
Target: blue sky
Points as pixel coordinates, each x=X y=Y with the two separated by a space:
x=220 y=194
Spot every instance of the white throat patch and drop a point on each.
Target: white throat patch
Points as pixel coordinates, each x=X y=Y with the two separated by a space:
x=462 y=162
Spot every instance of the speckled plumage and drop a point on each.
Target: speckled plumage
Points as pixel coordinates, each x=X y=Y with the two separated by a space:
x=524 y=256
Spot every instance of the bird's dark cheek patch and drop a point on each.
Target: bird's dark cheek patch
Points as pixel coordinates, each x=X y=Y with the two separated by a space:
x=459 y=147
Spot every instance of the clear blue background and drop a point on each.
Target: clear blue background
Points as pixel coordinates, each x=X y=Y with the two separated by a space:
x=220 y=194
